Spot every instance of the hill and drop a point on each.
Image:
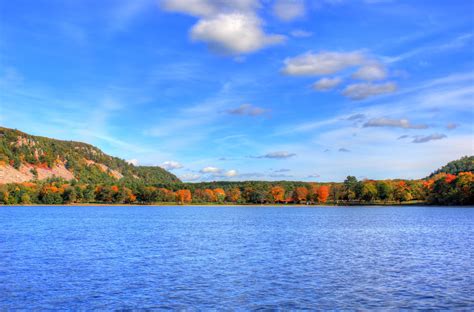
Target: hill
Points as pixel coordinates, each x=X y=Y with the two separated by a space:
x=25 y=157
x=464 y=164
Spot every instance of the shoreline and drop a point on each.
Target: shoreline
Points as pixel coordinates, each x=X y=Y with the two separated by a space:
x=228 y=205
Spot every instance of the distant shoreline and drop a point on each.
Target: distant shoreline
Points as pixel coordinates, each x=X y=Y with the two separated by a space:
x=227 y=205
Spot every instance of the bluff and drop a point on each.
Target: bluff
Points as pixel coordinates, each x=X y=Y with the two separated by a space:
x=25 y=157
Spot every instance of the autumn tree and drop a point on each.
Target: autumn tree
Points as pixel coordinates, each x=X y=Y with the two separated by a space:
x=219 y=195
x=323 y=193
x=233 y=195
x=301 y=194
x=183 y=196
x=209 y=196
x=278 y=194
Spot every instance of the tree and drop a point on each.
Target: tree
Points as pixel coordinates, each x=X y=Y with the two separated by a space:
x=219 y=195
x=401 y=192
x=278 y=194
x=233 y=195
x=323 y=194
x=69 y=195
x=369 y=191
x=384 y=190
x=301 y=194
x=209 y=196
x=183 y=196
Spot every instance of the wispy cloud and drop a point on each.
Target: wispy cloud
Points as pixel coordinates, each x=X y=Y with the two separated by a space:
x=431 y=137
x=288 y=10
x=277 y=155
x=393 y=123
x=361 y=91
x=325 y=84
x=247 y=110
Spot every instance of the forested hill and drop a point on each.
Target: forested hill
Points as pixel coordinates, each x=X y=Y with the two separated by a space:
x=25 y=157
x=464 y=164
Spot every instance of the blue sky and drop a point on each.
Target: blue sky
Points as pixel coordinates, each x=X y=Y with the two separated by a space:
x=246 y=89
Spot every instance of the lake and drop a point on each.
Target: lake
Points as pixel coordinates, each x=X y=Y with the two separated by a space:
x=243 y=258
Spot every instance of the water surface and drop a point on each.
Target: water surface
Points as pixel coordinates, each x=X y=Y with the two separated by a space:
x=236 y=257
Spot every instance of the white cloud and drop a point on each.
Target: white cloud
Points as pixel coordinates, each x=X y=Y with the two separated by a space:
x=133 y=162
x=231 y=173
x=300 y=33
x=233 y=33
x=190 y=177
x=360 y=91
x=247 y=110
x=323 y=63
x=209 y=7
x=229 y=27
x=325 y=84
x=394 y=123
x=370 y=72
x=171 y=165
x=210 y=170
x=288 y=10
x=431 y=137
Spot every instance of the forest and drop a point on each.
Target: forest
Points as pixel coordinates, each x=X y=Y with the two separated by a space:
x=100 y=178
x=441 y=189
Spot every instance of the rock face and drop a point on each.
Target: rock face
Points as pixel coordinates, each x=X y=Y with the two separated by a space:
x=8 y=174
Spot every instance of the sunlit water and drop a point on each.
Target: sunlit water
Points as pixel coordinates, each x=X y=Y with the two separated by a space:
x=236 y=258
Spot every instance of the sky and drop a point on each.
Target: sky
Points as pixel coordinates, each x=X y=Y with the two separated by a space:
x=309 y=90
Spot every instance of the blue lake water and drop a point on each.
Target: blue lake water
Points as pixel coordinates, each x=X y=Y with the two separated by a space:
x=236 y=258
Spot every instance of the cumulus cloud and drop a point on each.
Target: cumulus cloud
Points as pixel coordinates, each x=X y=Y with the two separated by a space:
x=210 y=170
x=190 y=177
x=360 y=91
x=300 y=33
x=133 y=162
x=233 y=33
x=370 y=72
x=229 y=27
x=171 y=165
x=323 y=63
x=325 y=84
x=393 y=123
x=277 y=155
x=288 y=10
x=247 y=110
x=431 y=137
x=344 y=150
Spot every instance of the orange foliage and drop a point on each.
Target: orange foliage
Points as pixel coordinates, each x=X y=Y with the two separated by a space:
x=209 y=195
x=450 y=178
x=301 y=193
x=278 y=193
x=219 y=194
x=323 y=193
x=183 y=196
x=428 y=184
x=233 y=195
x=114 y=188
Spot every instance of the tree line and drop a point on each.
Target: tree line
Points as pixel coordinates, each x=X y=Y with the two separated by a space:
x=442 y=189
